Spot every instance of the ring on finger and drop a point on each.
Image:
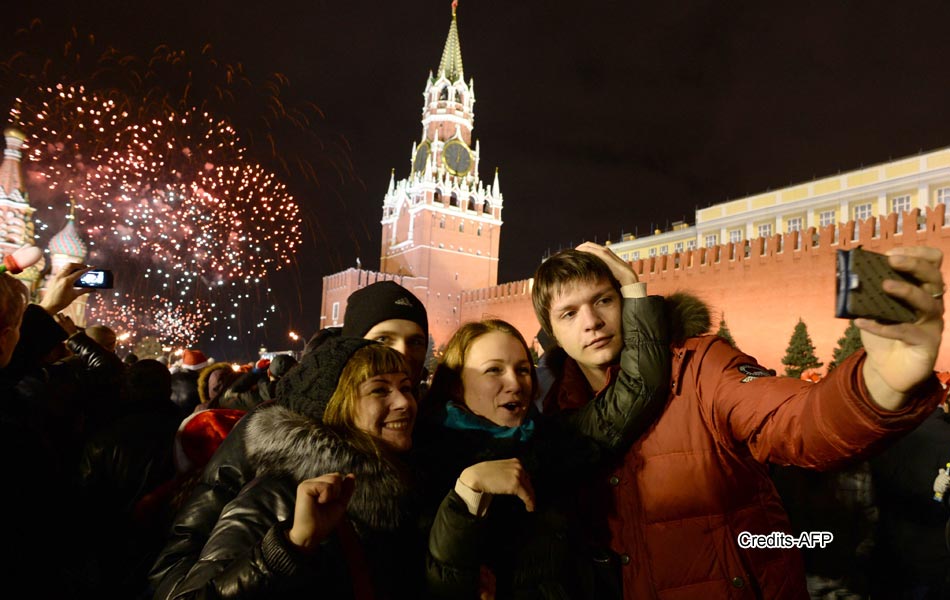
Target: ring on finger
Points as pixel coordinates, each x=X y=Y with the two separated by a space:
x=941 y=292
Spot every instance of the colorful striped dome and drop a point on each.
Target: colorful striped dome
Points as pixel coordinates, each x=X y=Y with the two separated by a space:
x=68 y=242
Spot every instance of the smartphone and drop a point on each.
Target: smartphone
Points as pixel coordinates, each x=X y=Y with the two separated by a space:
x=859 y=294
x=95 y=278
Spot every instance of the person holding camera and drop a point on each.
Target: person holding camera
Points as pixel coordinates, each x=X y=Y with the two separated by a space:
x=686 y=494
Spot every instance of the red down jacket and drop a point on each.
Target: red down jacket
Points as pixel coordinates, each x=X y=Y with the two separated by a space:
x=695 y=481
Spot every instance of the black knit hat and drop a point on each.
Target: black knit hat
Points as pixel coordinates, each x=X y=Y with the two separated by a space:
x=306 y=389
x=280 y=364
x=382 y=301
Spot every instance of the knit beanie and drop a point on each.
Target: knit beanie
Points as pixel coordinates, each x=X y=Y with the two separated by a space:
x=382 y=301
x=281 y=363
x=306 y=389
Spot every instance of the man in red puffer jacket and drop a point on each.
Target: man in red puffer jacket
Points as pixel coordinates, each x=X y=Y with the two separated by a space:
x=690 y=509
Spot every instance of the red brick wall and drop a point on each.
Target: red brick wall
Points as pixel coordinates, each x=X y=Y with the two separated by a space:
x=762 y=296
x=508 y=301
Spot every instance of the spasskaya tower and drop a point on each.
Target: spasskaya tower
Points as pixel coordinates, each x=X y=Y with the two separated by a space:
x=441 y=223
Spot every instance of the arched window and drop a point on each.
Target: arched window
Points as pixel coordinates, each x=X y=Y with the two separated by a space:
x=454 y=200
x=486 y=207
x=438 y=196
x=471 y=203
x=444 y=94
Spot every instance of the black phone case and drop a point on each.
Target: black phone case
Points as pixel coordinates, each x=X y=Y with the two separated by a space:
x=859 y=292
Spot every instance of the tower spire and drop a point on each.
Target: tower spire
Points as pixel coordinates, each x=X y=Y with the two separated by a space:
x=451 y=64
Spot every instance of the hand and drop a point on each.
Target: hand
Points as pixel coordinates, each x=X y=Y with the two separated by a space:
x=62 y=291
x=941 y=482
x=66 y=323
x=501 y=477
x=618 y=266
x=319 y=508
x=902 y=356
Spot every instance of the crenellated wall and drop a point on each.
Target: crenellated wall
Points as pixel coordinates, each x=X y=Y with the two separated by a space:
x=762 y=286
x=338 y=287
x=509 y=301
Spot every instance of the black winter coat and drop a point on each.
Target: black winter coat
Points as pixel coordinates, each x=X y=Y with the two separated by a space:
x=248 y=555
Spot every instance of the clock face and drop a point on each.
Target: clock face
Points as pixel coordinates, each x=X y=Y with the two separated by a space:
x=422 y=155
x=457 y=158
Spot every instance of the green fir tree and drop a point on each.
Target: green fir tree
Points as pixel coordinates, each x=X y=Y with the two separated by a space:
x=847 y=345
x=800 y=354
x=724 y=332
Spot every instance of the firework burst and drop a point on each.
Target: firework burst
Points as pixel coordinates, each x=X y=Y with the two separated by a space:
x=164 y=187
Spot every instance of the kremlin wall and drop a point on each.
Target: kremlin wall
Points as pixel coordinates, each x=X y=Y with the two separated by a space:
x=761 y=262
x=761 y=286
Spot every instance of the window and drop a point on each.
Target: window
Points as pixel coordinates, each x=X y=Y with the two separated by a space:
x=664 y=250
x=461 y=227
x=636 y=255
x=900 y=205
x=765 y=230
x=826 y=218
x=454 y=200
x=486 y=207
x=862 y=212
x=678 y=247
x=336 y=311
x=711 y=240
x=793 y=224
x=478 y=232
x=652 y=251
x=735 y=236
x=691 y=245
x=943 y=197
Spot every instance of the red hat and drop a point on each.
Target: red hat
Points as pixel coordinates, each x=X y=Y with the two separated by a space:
x=194 y=360
x=262 y=364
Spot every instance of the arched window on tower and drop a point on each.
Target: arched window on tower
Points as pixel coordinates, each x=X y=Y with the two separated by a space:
x=444 y=94
x=486 y=207
x=454 y=200
x=438 y=196
x=471 y=203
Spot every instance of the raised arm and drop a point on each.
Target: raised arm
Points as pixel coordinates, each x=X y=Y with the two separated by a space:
x=636 y=392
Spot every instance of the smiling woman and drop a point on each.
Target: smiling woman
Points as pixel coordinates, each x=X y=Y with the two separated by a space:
x=505 y=528
x=330 y=502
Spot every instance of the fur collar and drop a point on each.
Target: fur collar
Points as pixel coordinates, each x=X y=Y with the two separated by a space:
x=281 y=442
x=689 y=316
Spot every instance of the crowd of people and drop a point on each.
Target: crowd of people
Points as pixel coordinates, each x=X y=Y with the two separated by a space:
x=636 y=460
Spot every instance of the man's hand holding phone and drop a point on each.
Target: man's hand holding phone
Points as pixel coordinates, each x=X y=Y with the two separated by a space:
x=901 y=356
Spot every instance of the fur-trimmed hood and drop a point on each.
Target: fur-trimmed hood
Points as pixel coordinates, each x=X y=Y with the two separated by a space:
x=689 y=316
x=280 y=442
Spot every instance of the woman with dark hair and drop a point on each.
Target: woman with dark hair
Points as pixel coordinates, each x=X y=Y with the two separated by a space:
x=330 y=510
x=513 y=476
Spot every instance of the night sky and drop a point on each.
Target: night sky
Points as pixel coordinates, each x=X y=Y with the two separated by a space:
x=603 y=117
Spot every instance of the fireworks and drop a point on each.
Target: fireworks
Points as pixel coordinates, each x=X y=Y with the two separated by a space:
x=165 y=191
x=167 y=320
x=176 y=191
